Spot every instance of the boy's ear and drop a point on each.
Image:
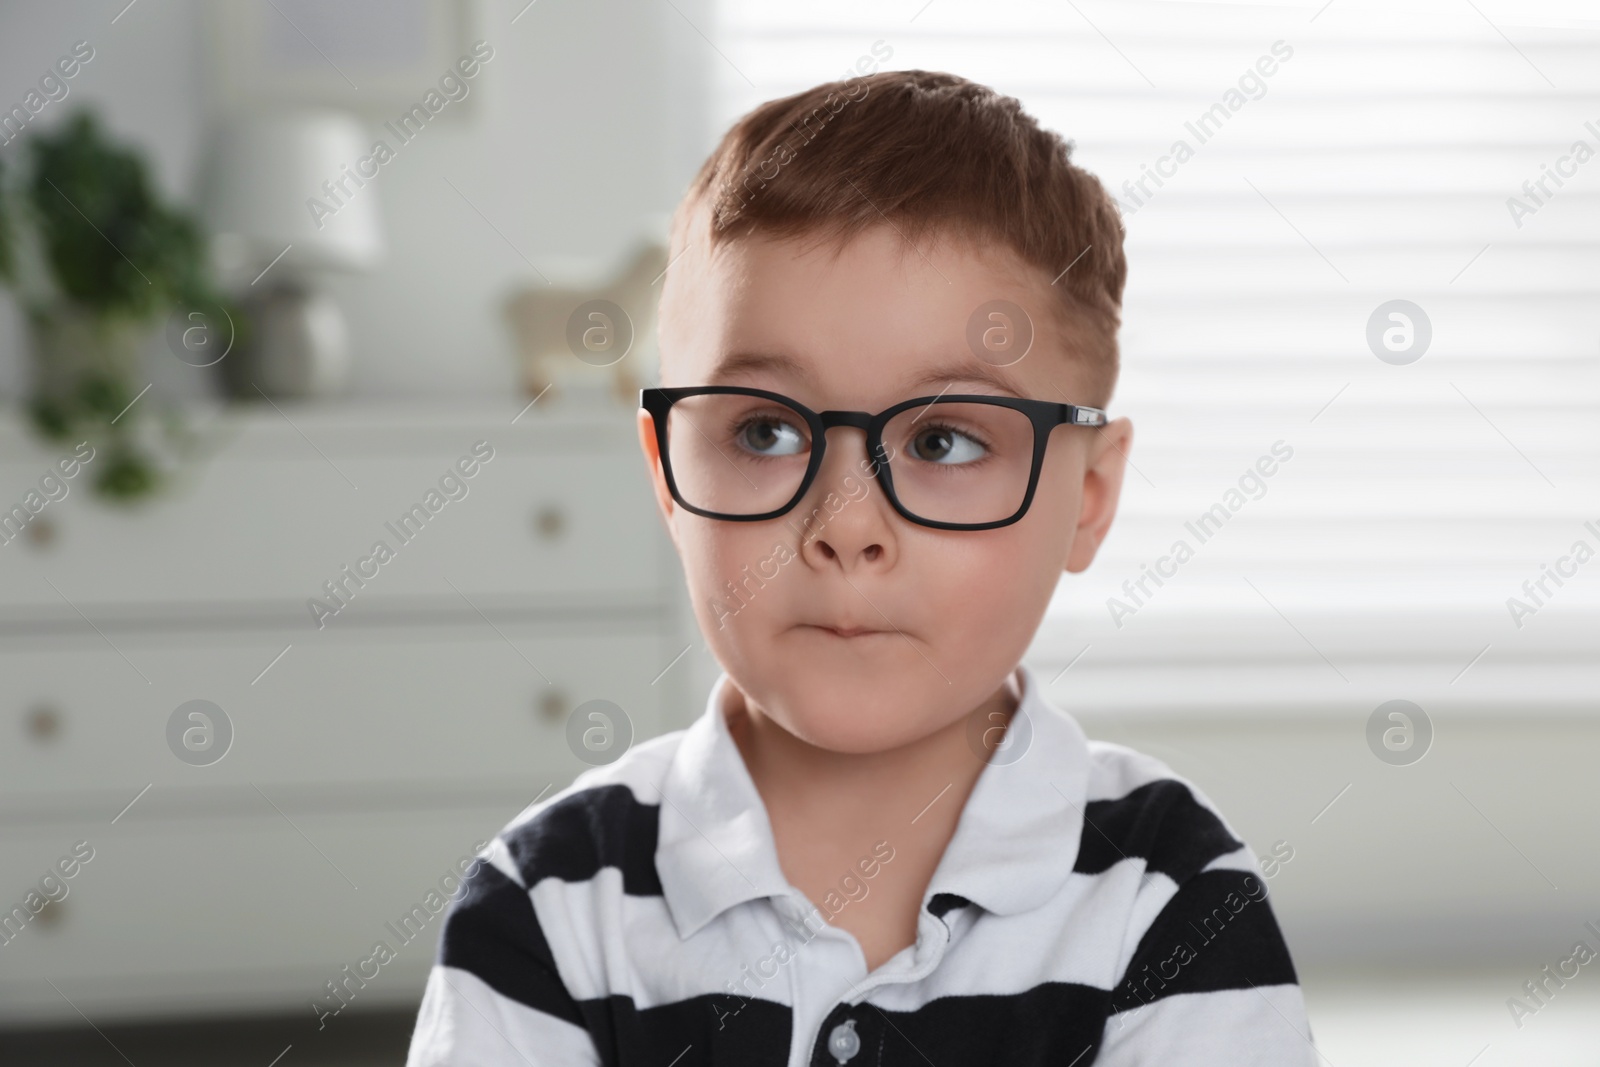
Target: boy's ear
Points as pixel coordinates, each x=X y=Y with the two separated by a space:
x=658 y=481
x=1104 y=467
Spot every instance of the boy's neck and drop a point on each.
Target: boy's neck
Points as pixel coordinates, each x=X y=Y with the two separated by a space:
x=892 y=786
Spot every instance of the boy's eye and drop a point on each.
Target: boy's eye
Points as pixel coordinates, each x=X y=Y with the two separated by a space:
x=941 y=444
x=767 y=436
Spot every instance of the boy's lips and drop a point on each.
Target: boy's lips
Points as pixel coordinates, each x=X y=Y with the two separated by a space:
x=843 y=631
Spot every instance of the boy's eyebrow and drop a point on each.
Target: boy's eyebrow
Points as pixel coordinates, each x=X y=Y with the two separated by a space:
x=740 y=362
x=967 y=371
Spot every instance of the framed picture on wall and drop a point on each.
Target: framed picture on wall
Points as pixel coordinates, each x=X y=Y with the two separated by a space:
x=372 y=57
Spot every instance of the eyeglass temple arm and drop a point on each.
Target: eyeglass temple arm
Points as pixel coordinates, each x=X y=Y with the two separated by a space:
x=1078 y=415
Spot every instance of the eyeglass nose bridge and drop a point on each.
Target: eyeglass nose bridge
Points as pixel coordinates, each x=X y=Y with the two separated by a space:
x=857 y=420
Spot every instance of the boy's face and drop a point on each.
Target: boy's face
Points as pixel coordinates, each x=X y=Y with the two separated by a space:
x=950 y=611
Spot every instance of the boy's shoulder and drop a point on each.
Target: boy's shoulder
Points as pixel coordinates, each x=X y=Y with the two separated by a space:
x=1138 y=806
x=607 y=817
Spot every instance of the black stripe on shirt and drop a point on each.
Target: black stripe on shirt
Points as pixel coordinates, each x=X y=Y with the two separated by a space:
x=1162 y=823
x=493 y=933
x=577 y=835
x=713 y=1028
x=1054 y=1022
x=941 y=903
x=1217 y=932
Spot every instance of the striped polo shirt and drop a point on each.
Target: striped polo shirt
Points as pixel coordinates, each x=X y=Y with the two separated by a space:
x=1092 y=907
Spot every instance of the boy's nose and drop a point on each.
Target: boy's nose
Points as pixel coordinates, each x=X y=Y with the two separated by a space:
x=858 y=529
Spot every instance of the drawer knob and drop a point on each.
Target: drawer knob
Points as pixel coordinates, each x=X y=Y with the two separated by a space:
x=554 y=705
x=51 y=915
x=44 y=723
x=42 y=532
x=550 y=522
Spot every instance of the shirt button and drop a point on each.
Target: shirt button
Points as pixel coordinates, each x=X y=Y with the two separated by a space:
x=844 y=1042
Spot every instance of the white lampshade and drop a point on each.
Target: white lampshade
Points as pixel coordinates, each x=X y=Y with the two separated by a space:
x=263 y=188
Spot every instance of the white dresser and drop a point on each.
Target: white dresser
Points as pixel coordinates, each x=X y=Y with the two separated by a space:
x=369 y=754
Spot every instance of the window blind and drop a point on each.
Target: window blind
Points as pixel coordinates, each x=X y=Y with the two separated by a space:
x=1446 y=156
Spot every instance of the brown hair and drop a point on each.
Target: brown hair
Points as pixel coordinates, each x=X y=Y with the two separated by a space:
x=932 y=153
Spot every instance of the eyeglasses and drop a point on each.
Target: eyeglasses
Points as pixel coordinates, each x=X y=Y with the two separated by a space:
x=952 y=462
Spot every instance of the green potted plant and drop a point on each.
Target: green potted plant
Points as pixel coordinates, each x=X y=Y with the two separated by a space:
x=97 y=260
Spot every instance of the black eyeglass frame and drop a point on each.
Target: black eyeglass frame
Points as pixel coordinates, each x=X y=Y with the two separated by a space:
x=1044 y=415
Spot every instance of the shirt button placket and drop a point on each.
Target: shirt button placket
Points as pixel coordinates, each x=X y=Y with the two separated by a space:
x=844 y=1042
x=843 y=1036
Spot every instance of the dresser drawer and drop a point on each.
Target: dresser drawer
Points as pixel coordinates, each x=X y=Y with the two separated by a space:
x=269 y=527
x=188 y=917
x=354 y=716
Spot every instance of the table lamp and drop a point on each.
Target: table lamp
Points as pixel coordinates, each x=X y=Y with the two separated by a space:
x=287 y=203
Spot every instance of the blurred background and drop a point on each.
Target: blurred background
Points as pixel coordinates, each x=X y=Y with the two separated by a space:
x=241 y=344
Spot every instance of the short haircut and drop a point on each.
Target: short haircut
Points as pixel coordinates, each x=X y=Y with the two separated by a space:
x=933 y=154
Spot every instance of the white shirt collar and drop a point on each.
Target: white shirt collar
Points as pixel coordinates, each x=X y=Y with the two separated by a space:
x=1013 y=847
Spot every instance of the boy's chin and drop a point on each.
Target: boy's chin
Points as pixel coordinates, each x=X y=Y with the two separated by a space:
x=851 y=715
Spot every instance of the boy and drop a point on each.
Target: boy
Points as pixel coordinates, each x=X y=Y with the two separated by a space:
x=886 y=349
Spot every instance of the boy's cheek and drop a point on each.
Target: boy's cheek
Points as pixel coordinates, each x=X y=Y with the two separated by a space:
x=713 y=558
